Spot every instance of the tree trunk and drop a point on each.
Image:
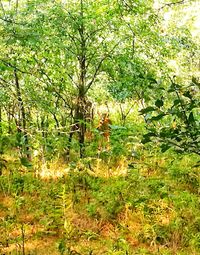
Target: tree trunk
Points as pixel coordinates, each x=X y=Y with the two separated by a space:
x=22 y=118
x=79 y=120
x=1 y=128
x=81 y=97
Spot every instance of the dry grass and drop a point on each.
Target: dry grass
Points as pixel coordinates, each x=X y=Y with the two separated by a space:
x=44 y=246
x=85 y=233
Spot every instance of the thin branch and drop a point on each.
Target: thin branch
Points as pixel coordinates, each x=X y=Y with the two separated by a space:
x=73 y=52
x=94 y=32
x=99 y=66
x=90 y=57
x=196 y=151
x=171 y=4
x=11 y=21
x=73 y=39
x=5 y=84
x=16 y=6
x=52 y=83
x=3 y=10
x=95 y=73
x=132 y=31
x=70 y=77
x=131 y=107
x=14 y=67
x=4 y=81
x=64 y=100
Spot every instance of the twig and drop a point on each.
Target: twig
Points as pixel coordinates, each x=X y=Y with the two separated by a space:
x=171 y=4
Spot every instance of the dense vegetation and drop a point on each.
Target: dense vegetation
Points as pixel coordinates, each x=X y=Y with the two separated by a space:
x=99 y=127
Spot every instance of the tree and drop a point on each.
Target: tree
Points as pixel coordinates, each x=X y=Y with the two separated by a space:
x=65 y=49
x=55 y=53
x=87 y=39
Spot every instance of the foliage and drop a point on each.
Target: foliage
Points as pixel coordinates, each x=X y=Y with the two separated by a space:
x=180 y=106
x=64 y=186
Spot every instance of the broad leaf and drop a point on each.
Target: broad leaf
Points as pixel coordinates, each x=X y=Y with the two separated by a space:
x=159 y=103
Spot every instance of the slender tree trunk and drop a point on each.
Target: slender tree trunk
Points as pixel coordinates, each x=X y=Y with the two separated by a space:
x=22 y=118
x=77 y=126
x=79 y=120
x=81 y=97
x=57 y=123
x=43 y=126
x=1 y=128
x=9 y=117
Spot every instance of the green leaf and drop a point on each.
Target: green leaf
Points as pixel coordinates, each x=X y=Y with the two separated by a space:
x=148 y=109
x=176 y=102
x=195 y=81
x=187 y=94
x=164 y=133
x=180 y=115
x=178 y=138
x=197 y=164
x=159 y=103
x=146 y=139
x=174 y=87
x=170 y=90
x=25 y=162
x=161 y=88
x=62 y=246
x=158 y=117
x=165 y=147
x=152 y=80
x=151 y=134
x=191 y=118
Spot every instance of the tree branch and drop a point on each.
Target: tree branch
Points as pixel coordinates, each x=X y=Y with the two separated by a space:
x=171 y=4
x=99 y=66
x=1 y=4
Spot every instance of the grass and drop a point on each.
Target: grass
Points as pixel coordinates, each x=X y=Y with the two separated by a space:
x=147 y=204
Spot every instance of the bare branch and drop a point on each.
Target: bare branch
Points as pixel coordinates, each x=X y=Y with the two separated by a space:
x=9 y=20
x=14 y=67
x=97 y=69
x=171 y=4
x=73 y=37
x=16 y=6
x=94 y=32
x=64 y=100
x=3 y=10
x=95 y=73
x=90 y=57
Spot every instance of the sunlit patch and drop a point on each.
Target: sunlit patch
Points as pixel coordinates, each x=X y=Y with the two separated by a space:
x=52 y=170
x=43 y=247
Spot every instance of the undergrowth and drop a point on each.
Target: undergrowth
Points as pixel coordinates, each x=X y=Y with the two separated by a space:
x=152 y=209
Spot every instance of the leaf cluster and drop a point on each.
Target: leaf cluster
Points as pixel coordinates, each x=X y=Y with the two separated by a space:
x=173 y=120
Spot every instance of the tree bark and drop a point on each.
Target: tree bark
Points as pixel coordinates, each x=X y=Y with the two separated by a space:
x=79 y=122
x=22 y=117
x=1 y=128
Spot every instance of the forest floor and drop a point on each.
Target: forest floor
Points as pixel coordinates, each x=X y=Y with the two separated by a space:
x=145 y=205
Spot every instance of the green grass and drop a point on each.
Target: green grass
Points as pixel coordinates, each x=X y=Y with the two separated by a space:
x=152 y=209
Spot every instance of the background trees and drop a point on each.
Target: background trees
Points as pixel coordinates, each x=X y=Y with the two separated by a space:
x=64 y=188
x=56 y=56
